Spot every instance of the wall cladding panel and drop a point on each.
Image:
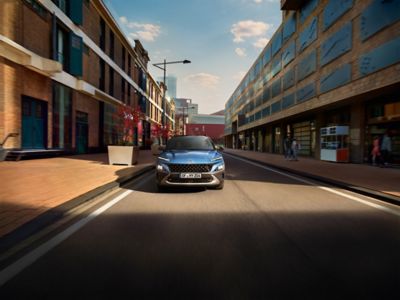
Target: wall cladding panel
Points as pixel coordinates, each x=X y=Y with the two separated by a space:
x=337 y=44
x=338 y=77
x=288 y=101
x=334 y=10
x=276 y=107
x=308 y=35
x=306 y=93
x=380 y=57
x=276 y=66
x=288 y=79
x=289 y=53
x=307 y=66
x=267 y=56
x=266 y=94
x=307 y=9
x=276 y=88
x=378 y=15
x=266 y=111
x=289 y=28
x=276 y=44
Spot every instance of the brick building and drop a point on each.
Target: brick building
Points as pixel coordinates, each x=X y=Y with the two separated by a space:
x=65 y=66
x=330 y=63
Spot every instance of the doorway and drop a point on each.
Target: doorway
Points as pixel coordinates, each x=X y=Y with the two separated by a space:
x=34 y=123
x=82 y=132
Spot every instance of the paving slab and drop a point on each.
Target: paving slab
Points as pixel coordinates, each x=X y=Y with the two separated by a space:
x=29 y=188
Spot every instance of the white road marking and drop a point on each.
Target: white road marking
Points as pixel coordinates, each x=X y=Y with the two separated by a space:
x=365 y=202
x=12 y=270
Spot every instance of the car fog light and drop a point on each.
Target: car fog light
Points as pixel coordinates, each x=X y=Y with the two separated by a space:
x=159 y=168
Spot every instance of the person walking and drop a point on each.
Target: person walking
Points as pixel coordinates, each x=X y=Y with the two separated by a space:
x=386 y=148
x=295 y=147
x=376 y=152
x=287 y=147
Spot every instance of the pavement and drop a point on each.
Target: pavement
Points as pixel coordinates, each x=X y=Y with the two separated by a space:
x=46 y=188
x=34 y=193
x=382 y=183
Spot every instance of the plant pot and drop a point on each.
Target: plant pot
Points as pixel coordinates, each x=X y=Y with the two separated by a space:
x=123 y=155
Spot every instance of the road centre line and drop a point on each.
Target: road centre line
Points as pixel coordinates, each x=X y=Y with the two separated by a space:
x=331 y=190
x=12 y=270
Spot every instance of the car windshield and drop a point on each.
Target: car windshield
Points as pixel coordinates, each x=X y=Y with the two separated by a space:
x=190 y=143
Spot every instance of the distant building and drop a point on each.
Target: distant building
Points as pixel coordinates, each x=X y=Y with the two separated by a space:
x=171 y=83
x=184 y=109
x=208 y=125
x=330 y=65
x=64 y=71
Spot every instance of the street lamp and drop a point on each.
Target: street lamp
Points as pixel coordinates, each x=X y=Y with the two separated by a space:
x=163 y=66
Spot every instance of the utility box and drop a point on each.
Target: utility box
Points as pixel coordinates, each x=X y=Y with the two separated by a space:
x=334 y=143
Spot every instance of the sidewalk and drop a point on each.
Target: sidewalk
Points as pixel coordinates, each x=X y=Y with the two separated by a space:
x=380 y=182
x=31 y=187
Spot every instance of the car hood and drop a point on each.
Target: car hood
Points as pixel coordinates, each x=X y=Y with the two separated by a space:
x=190 y=156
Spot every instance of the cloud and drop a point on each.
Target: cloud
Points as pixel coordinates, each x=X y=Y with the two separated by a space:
x=261 y=43
x=143 y=31
x=258 y=1
x=241 y=52
x=204 y=79
x=248 y=28
x=239 y=75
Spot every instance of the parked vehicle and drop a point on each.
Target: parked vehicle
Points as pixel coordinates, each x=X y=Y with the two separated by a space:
x=190 y=161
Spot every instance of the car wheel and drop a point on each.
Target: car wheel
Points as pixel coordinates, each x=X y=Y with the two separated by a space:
x=220 y=186
x=161 y=189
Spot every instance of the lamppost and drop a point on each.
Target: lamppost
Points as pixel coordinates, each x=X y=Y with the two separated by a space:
x=163 y=66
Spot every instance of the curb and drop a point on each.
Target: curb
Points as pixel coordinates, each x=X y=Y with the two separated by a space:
x=360 y=190
x=56 y=213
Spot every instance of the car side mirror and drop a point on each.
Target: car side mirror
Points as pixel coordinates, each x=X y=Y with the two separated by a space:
x=219 y=148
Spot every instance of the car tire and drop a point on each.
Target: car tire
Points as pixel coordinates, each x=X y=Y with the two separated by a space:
x=161 y=189
x=220 y=186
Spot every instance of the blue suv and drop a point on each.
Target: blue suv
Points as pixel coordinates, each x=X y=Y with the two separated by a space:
x=190 y=161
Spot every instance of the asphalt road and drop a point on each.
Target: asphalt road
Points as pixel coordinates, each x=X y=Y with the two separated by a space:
x=265 y=235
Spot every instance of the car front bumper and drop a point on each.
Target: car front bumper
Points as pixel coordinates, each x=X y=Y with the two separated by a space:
x=209 y=179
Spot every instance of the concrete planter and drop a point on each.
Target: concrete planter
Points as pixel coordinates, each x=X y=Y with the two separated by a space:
x=123 y=155
x=3 y=154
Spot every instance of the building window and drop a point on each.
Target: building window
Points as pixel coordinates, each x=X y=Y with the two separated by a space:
x=111 y=45
x=61 y=4
x=102 y=79
x=129 y=66
x=102 y=35
x=123 y=90
x=62 y=48
x=123 y=58
x=37 y=8
x=111 y=83
x=62 y=117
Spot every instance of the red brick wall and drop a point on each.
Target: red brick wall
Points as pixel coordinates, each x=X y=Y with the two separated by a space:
x=214 y=131
x=36 y=32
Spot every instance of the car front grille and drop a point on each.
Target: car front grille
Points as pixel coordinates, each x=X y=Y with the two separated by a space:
x=193 y=168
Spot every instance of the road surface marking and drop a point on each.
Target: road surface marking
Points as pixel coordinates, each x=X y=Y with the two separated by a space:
x=12 y=270
x=365 y=202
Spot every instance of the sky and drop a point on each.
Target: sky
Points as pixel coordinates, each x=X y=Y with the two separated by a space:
x=222 y=39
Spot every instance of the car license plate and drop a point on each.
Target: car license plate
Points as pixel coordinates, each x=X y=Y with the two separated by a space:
x=190 y=175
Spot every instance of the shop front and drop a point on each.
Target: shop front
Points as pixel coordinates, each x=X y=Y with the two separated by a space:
x=383 y=117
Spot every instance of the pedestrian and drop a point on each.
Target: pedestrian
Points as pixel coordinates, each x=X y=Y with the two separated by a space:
x=386 y=148
x=376 y=151
x=287 y=147
x=295 y=147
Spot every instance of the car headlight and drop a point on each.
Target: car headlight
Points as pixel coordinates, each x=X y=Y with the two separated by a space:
x=162 y=168
x=218 y=167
